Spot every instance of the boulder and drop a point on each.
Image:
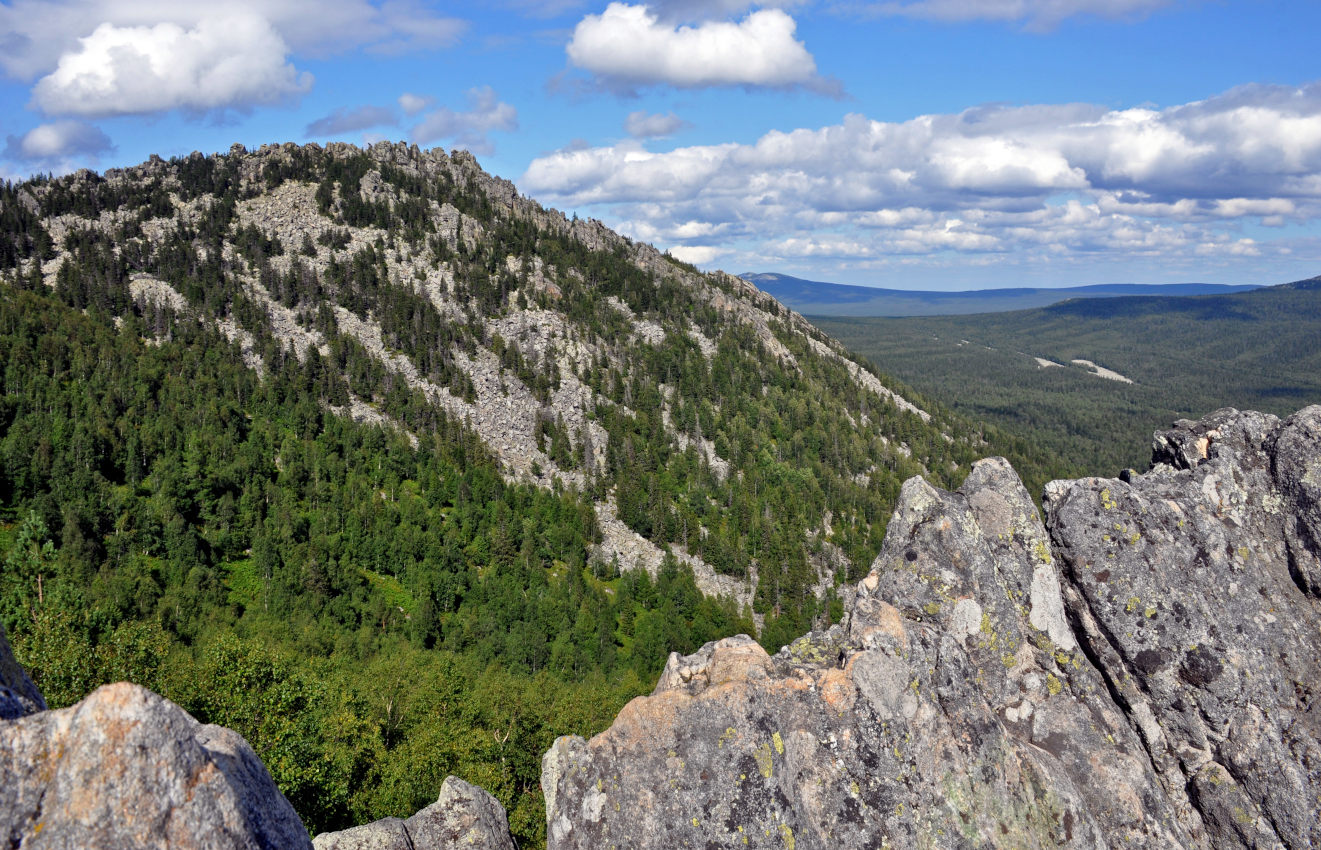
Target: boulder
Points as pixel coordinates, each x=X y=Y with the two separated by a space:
x=953 y=709
x=126 y=768
x=464 y=816
x=18 y=696
x=1196 y=589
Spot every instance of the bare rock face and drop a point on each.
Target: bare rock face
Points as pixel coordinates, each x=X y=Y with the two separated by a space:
x=126 y=768
x=954 y=710
x=1143 y=675
x=18 y=696
x=464 y=816
x=1196 y=589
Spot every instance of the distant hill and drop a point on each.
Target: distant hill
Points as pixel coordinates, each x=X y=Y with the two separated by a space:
x=818 y=298
x=1041 y=373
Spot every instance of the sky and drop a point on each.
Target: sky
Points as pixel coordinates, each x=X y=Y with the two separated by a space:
x=915 y=144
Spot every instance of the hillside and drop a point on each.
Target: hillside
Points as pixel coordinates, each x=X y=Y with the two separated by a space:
x=1152 y=360
x=819 y=298
x=1135 y=667
x=399 y=473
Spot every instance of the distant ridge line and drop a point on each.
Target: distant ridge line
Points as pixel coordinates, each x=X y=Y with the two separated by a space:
x=836 y=299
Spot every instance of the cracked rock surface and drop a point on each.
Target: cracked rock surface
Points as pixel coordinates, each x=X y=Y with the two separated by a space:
x=1195 y=586
x=1140 y=675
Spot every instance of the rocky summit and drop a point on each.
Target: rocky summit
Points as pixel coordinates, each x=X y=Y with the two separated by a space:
x=1136 y=671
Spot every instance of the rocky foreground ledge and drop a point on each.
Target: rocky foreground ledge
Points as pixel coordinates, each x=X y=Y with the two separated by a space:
x=1138 y=670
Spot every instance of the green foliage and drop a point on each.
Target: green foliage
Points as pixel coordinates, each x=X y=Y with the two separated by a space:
x=1186 y=356
x=377 y=606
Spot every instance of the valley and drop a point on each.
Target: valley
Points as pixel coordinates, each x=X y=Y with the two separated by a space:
x=1090 y=380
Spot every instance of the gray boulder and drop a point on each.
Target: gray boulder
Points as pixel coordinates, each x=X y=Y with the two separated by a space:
x=953 y=710
x=18 y=696
x=464 y=816
x=126 y=768
x=1196 y=589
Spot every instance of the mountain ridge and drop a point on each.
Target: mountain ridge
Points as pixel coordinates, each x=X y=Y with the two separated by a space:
x=277 y=422
x=820 y=298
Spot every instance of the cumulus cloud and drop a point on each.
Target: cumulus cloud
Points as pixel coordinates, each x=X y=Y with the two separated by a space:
x=35 y=34
x=645 y=125
x=57 y=141
x=628 y=45
x=345 y=120
x=1034 y=13
x=470 y=129
x=1053 y=180
x=132 y=70
x=698 y=255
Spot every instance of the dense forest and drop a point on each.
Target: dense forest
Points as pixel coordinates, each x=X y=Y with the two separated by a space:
x=1182 y=356
x=376 y=602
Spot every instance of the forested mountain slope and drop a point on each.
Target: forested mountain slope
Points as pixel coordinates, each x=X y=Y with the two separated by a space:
x=387 y=467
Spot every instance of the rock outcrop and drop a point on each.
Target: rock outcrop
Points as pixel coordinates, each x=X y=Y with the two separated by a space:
x=1195 y=590
x=464 y=818
x=18 y=696
x=1142 y=675
x=126 y=768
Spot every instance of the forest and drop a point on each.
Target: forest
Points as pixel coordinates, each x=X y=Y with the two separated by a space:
x=1185 y=356
x=377 y=604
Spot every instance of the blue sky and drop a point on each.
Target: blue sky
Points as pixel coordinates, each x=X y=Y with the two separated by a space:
x=927 y=144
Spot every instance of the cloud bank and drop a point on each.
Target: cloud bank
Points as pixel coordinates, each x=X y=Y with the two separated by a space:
x=1029 y=180
x=117 y=70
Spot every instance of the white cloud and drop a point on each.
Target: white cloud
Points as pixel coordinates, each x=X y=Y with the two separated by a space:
x=645 y=125
x=412 y=104
x=235 y=61
x=470 y=129
x=1014 y=182
x=1036 y=13
x=58 y=140
x=698 y=255
x=629 y=45
x=407 y=26
x=35 y=34
x=345 y=120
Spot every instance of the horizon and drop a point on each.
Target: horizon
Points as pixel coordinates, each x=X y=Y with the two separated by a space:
x=926 y=145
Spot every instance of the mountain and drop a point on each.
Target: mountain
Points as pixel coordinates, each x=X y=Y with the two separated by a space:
x=1138 y=668
x=1087 y=379
x=315 y=440
x=816 y=298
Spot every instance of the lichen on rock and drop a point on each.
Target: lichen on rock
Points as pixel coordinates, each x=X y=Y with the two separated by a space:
x=1142 y=674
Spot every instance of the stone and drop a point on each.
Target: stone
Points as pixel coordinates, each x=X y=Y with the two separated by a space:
x=1139 y=669
x=464 y=816
x=950 y=717
x=1196 y=586
x=18 y=696
x=126 y=768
